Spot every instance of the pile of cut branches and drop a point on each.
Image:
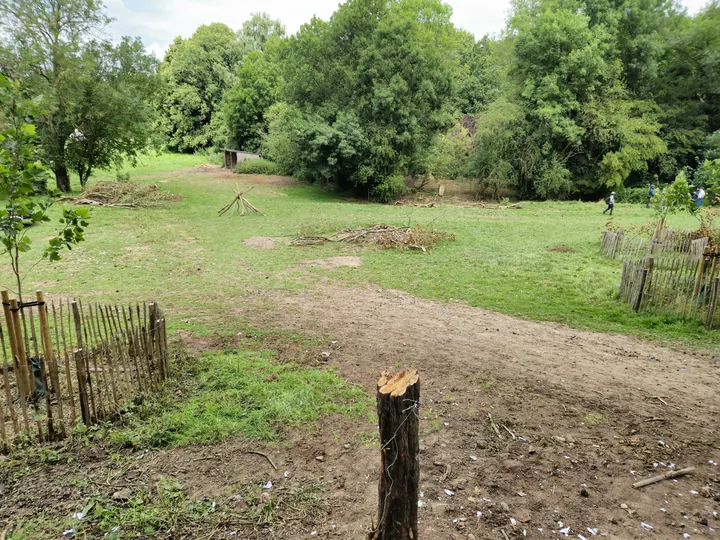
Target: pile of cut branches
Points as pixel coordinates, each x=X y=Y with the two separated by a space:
x=124 y=195
x=240 y=203
x=386 y=236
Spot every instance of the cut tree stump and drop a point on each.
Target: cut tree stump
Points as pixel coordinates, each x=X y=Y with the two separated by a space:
x=398 y=401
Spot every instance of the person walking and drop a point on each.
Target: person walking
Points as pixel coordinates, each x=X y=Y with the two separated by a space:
x=651 y=194
x=699 y=196
x=610 y=201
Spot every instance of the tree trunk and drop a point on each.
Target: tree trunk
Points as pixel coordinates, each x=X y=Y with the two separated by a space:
x=398 y=401
x=62 y=178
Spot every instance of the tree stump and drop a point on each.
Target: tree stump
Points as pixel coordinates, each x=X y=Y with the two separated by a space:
x=398 y=401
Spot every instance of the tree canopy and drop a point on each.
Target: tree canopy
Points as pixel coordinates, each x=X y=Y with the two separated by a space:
x=93 y=94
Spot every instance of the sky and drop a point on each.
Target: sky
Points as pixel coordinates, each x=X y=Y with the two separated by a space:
x=158 y=22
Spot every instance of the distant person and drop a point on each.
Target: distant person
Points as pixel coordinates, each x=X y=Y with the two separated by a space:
x=651 y=194
x=610 y=201
x=699 y=196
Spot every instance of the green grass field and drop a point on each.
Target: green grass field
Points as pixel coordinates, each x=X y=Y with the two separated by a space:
x=195 y=264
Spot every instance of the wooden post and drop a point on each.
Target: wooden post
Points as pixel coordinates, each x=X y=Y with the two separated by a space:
x=80 y=368
x=68 y=378
x=6 y=384
x=698 y=277
x=641 y=289
x=398 y=401
x=13 y=339
x=714 y=304
x=21 y=359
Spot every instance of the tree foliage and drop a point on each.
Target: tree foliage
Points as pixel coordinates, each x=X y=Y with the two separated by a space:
x=195 y=74
x=94 y=94
x=366 y=93
x=19 y=171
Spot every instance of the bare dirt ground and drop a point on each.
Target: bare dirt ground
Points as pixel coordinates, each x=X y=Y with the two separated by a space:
x=577 y=416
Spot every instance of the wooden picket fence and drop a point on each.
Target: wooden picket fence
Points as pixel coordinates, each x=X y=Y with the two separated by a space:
x=666 y=242
x=67 y=362
x=688 y=286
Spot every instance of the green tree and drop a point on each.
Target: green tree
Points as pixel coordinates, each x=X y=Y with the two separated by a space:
x=258 y=30
x=587 y=126
x=195 y=74
x=48 y=46
x=673 y=199
x=369 y=89
x=19 y=171
x=112 y=113
x=42 y=44
x=687 y=91
x=257 y=88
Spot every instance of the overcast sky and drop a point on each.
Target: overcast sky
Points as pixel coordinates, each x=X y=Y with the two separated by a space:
x=157 y=22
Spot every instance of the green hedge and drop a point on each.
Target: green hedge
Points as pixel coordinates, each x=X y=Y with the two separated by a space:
x=636 y=195
x=257 y=166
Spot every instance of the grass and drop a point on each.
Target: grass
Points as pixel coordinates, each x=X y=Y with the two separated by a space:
x=143 y=514
x=239 y=393
x=166 y=511
x=593 y=419
x=541 y=262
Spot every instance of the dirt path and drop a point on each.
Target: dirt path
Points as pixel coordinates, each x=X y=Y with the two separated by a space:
x=528 y=430
x=589 y=412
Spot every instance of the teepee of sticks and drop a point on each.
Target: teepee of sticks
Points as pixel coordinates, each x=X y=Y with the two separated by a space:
x=240 y=203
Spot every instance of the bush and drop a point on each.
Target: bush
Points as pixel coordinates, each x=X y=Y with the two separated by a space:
x=450 y=154
x=635 y=195
x=258 y=166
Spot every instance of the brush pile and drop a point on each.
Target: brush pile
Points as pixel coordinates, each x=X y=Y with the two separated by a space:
x=125 y=195
x=385 y=236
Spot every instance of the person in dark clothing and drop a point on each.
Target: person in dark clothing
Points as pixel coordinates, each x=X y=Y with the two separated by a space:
x=610 y=201
x=651 y=194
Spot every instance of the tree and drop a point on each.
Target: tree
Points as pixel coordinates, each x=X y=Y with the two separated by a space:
x=673 y=199
x=257 y=88
x=195 y=74
x=582 y=130
x=19 y=170
x=257 y=31
x=112 y=113
x=687 y=90
x=368 y=91
x=86 y=84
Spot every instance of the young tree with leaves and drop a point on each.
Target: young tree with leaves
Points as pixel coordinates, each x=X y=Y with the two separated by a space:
x=19 y=170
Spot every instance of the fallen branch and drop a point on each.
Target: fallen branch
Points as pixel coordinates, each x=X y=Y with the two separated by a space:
x=515 y=206
x=420 y=238
x=265 y=456
x=667 y=476
x=494 y=426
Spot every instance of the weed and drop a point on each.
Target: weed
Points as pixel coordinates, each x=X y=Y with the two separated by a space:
x=143 y=513
x=241 y=393
x=593 y=419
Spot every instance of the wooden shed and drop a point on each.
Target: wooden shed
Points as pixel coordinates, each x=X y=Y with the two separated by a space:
x=233 y=157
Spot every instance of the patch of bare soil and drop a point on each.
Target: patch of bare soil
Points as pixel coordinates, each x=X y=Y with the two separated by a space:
x=260 y=242
x=335 y=262
x=580 y=416
x=530 y=427
x=215 y=172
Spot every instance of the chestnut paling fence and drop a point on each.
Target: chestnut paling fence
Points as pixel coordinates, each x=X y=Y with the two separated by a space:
x=687 y=285
x=666 y=242
x=67 y=362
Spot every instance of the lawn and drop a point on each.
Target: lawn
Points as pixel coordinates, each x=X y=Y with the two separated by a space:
x=196 y=265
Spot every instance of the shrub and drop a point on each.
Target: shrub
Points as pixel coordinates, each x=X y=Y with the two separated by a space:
x=635 y=195
x=258 y=166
